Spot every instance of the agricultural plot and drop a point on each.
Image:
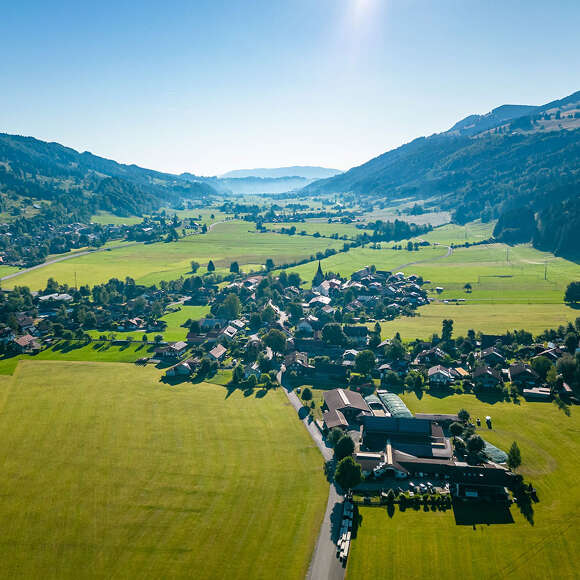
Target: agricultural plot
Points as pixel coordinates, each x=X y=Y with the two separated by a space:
x=322 y=227
x=500 y=273
x=419 y=544
x=456 y=234
x=488 y=318
x=105 y=472
x=97 y=351
x=151 y=263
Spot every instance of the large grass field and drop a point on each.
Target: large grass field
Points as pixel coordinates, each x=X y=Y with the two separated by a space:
x=487 y=318
x=107 y=473
x=415 y=544
x=77 y=351
x=151 y=263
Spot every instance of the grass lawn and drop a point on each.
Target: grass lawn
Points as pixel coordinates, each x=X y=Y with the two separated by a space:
x=499 y=273
x=456 y=234
x=431 y=545
x=174 y=330
x=488 y=318
x=107 y=473
x=76 y=351
x=151 y=263
x=322 y=227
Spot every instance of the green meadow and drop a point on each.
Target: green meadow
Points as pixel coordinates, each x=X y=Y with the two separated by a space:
x=418 y=544
x=151 y=263
x=107 y=473
x=77 y=351
x=322 y=227
x=487 y=318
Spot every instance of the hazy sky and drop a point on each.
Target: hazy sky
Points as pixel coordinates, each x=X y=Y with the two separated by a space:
x=209 y=86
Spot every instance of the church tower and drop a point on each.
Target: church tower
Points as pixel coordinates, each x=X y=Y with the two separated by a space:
x=319 y=276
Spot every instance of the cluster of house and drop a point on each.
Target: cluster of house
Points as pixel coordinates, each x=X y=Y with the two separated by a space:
x=492 y=369
x=30 y=327
x=398 y=445
x=371 y=286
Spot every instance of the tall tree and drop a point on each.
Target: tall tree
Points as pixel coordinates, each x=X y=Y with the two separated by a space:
x=348 y=473
x=210 y=266
x=344 y=447
x=446 y=330
x=514 y=459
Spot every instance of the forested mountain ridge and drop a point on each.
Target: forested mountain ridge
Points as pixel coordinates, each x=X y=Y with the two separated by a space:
x=51 y=172
x=515 y=158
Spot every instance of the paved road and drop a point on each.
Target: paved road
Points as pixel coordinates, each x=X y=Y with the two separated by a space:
x=324 y=564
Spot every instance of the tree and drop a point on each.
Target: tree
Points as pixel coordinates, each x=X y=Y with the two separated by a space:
x=446 y=330
x=395 y=350
x=456 y=429
x=463 y=415
x=294 y=279
x=306 y=394
x=572 y=292
x=238 y=375
x=268 y=314
x=541 y=365
x=348 y=473
x=158 y=338
x=210 y=266
x=475 y=444
x=364 y=362
x=231 y=307
x=467 y=287
x=269 y=264
x=235 y=268
x=571 y=342
x=332 y=333
x=295 y=310
x=566 y=366
x=276 y=340
x=334 y=436
x=514 y=457
x=344 y=447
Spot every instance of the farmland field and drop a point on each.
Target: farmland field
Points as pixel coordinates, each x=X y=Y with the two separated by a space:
x=432 y=545
x=151 y=263
x=105 y=472
x=488 y=318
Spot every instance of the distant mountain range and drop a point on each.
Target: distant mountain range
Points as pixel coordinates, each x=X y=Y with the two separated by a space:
x=304 y=171
x=515 y=158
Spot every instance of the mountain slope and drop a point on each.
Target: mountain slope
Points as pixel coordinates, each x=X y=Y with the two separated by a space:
x=49 y=171
x=514 y=158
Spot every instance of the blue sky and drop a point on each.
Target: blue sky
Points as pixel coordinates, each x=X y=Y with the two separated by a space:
x=211 y=86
